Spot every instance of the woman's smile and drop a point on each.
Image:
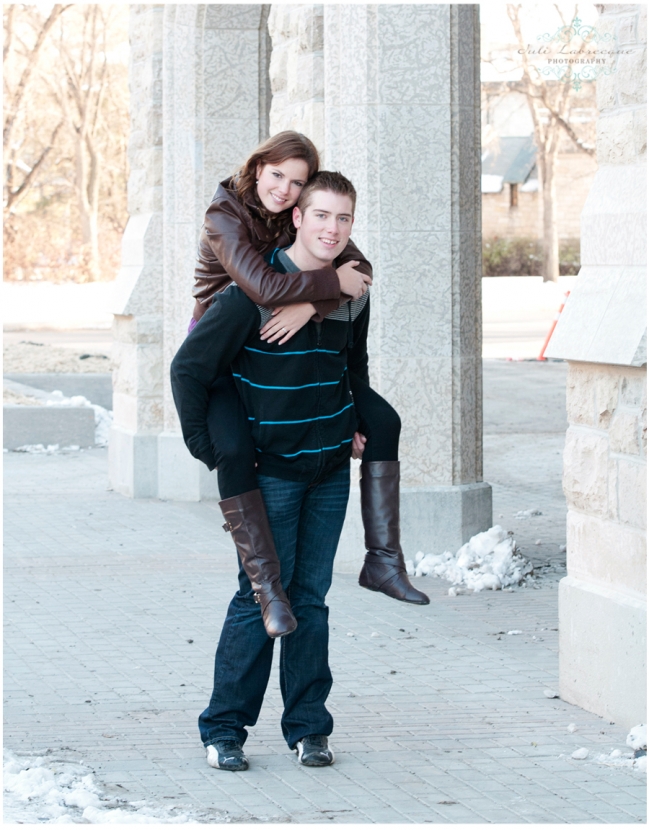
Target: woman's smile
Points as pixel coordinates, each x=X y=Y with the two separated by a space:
x=279 y=185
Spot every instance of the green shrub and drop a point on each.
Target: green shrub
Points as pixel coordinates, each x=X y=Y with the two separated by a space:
x=518 y=257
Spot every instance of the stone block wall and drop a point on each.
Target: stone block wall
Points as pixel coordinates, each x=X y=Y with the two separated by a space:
x=603 y=334
x=602 y=601
x=605 y=468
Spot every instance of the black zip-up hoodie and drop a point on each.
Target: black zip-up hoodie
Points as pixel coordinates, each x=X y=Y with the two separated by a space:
x=297 y=395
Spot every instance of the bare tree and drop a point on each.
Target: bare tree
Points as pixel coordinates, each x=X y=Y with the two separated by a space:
x=82 y=86
x=19 y=175
x=65 y=136
x=549 y=105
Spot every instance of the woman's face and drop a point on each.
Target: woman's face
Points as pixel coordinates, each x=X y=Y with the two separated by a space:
x=279 y=185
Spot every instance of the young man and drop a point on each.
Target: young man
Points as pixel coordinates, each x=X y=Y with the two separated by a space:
x=298 y=400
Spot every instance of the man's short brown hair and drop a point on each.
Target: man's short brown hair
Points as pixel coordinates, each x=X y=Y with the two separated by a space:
x=327 y=180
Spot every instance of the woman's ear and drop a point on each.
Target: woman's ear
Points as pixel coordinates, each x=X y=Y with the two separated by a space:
x=258 y=170
x=297 y=216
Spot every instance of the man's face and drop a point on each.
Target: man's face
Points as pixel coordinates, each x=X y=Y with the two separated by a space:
x=324 y=228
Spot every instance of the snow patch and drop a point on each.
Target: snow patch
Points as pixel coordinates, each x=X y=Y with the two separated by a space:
x=637 y=737
x=527 y=514
x=45 y=790
x=488 y=561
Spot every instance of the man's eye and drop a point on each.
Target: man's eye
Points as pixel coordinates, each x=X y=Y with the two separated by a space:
x=319 y=216
x=344 y=219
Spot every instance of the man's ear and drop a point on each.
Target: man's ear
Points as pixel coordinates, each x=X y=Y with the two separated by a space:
x=297 y=216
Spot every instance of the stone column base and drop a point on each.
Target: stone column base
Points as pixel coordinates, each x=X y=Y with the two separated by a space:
x=433 y=520
x=603 y=651
x=133 y=463
x=180 y=476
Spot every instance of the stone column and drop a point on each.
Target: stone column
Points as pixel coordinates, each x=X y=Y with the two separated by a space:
x=402 y=104
x=138 y=309
x=200 y=98
x=297 y=70
x=602 y=333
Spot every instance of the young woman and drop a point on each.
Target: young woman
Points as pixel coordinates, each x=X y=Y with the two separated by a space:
x=249 y=216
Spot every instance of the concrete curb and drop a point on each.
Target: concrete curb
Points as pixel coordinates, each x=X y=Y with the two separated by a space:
x=63 y=425
x=97 y=387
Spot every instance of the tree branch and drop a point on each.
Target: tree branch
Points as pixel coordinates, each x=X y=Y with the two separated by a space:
x=14 y=195
x=57 y=11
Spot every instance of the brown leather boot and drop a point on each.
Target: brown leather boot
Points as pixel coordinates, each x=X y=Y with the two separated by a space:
x=384 y=569
x=245 y=517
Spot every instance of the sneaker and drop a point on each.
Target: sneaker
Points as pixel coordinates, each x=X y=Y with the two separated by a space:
x=313 y=751
x=227 y=754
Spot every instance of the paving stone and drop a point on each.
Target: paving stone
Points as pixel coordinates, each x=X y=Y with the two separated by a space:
x=101 y=606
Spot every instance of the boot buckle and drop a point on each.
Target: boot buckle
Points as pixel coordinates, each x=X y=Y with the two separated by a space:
x=257 y=598
x=228 y=527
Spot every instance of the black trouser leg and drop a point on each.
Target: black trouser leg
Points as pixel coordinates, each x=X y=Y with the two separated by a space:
x=243 y=506
x=384 y=568
x=232 y=444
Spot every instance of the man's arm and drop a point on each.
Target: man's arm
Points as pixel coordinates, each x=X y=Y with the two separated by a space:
x=226 y=236
x=205 y=355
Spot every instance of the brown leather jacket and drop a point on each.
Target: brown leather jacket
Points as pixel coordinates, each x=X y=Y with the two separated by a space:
x=233 y=241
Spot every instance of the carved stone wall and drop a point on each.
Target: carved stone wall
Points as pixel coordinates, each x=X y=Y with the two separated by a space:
x=402 y=120
x=199 y=104
x=603 y=335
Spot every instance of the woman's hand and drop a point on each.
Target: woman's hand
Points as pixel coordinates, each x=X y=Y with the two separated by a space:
x=358 y=445
x=286 y=320
x=352 y=282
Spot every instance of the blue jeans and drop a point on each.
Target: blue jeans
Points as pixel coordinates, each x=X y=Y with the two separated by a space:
x=306 y=521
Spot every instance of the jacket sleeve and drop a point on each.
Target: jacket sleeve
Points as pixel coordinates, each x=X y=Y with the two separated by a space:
x=206 y=354
x=357 y=359
x=230 y=242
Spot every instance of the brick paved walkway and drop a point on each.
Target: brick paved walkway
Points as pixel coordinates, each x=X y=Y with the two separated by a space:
x=113 y=609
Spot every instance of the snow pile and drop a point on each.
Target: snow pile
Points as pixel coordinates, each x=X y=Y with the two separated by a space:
x=616 y=758
x=40 y=790
x=489 y=560
x=637 y=737
x=637 y=760
x=527 y=514
x=103 y=418
x=40 y=449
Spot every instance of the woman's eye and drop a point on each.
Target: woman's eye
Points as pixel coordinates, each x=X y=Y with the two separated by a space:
x=277 y=175
x=299 y=184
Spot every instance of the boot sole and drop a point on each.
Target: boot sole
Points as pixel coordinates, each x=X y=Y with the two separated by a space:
x=398 y=599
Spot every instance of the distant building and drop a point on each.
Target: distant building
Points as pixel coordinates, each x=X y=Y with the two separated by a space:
x=512 y=205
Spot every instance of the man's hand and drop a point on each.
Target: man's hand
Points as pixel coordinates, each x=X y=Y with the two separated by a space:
x=286 y=320
x=358 y=445
x=352 y=282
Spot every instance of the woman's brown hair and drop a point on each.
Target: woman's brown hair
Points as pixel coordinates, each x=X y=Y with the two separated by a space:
x=276 y=149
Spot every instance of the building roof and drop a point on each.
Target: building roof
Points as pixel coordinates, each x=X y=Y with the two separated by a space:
x=510 y=157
